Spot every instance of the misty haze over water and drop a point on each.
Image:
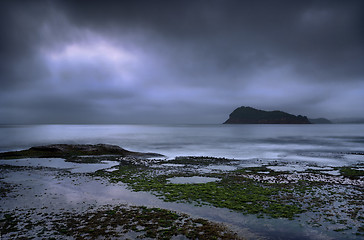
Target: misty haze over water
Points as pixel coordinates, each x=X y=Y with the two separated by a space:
x=322 y=144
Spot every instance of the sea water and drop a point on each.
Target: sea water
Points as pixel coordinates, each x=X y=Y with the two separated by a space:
x=323 y=144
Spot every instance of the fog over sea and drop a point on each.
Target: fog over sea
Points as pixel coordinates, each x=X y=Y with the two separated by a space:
x=322 y=144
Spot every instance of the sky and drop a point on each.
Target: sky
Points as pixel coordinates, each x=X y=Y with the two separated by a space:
x=178 y=62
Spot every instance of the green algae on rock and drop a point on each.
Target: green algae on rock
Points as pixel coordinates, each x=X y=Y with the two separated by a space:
x=115 y=222
x=320 y=200
x=352 y=173
x=231 y=192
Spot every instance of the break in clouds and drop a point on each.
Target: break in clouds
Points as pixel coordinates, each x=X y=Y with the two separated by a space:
x=178 y=61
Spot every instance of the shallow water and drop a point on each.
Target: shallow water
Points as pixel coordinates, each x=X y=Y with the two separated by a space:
x=222 y=167
x=60 y=164
x=192 y=180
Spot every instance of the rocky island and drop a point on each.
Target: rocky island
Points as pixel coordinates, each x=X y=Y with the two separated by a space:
x=249 y=115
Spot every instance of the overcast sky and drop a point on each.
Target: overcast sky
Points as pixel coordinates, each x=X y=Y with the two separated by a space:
x=178 y=61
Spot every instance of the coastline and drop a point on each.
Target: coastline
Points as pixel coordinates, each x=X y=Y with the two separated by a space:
x=32 y=191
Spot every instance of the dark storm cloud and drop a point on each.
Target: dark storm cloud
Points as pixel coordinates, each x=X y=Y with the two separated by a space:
x=179 y=61
x=233 y=34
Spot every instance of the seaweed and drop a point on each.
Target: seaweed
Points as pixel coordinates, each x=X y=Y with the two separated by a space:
x=117 y=222
x=351 y=172
x=232 y=192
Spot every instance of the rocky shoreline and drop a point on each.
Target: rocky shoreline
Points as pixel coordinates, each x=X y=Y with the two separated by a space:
x=317 y=200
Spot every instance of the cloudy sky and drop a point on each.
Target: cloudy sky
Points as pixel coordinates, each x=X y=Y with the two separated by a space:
x=185 y=61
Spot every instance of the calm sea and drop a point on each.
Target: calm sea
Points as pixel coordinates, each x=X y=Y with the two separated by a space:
x=322 y=143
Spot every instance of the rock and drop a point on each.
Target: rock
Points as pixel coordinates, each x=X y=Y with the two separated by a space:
x=74 y=150
x=81 y=149
x=249 y=115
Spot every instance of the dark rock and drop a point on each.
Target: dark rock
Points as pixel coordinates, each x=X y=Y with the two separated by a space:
x=249 y=115
x=74 y=150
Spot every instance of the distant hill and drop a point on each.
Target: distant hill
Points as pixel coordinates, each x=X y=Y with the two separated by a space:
x=319 y=120
x=249 y=115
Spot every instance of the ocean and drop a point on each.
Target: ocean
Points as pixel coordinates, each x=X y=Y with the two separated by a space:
x=324 y=144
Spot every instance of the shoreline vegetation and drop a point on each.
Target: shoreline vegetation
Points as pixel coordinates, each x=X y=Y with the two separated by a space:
x=328 y=200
